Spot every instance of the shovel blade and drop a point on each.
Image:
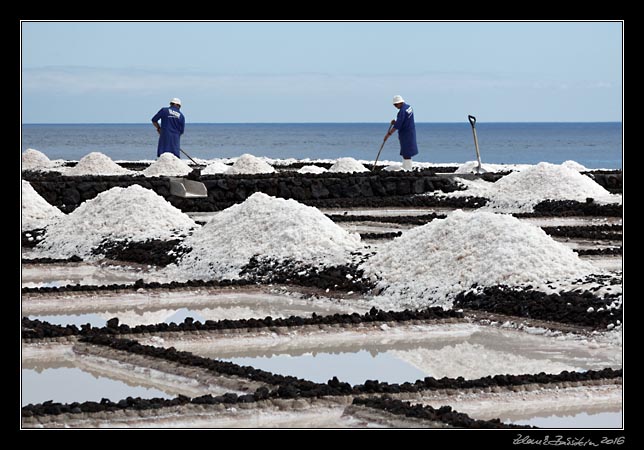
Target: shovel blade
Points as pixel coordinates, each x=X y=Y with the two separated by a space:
x=182 y=187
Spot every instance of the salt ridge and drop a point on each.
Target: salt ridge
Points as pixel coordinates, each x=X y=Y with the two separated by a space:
x=167 y=165
x=249 y=164
x=269 y=227
x=36 y=212
x=520 y=191
x=132 y=213
x=215 y=167
x=96 y=163
x=430 y=264
x=347 y=165
x=32 y=159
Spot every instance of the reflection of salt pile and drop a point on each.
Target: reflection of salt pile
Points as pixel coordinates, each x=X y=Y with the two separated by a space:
x=521 y=191
x=35 y=160
x=167 y=165
x=96 y=163
x=347 y=165
x=132 y=213
x=36 y=212
x=215 y=167
x=432 y=263
x=249 y=164
x=472 y=361
x=269 y=227
x=312 y=169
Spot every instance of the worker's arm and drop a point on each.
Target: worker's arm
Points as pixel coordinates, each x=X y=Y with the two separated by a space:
x=155 y=121
x=157 y=126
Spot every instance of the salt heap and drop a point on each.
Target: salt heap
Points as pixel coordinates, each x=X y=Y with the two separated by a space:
x=471 y=166
x=167 y=165
x=34 y=160
x=312 y=169
x=96 y=163
x=575 y=165
x=521 y=191
x=215 y=168
x=269 y=227
x=249 y=164
x=133 y=213
x=36 y=212
x=430 y=264
x=347 y=165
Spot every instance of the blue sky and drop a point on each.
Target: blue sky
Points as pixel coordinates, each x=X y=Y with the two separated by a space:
x=231 y=72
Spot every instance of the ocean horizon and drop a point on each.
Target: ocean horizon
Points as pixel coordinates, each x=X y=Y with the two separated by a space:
x=593 y=144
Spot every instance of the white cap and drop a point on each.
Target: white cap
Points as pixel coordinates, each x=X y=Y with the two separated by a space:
x=176 y=101
x=398 y=99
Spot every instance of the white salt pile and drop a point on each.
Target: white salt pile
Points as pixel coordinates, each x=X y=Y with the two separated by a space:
x=471 y=166
x=269 y=227
x=575 y=166
x=249 y=164
x=34 y=160
x=36 y=212
x=133 y=213
x=312 y=169
x=167 y=165
x=429 y=265
x=96 y=163
x=215 y=167
x=521 y=191
x=347 y=165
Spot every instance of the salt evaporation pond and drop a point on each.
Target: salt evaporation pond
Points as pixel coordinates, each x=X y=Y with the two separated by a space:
x=71 y=384
x=447 y=350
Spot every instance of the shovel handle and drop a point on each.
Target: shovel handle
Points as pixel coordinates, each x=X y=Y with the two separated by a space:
x=472 y=120
x=188 y=156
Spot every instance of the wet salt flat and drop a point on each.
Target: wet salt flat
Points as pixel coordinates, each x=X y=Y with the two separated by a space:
x=608 y=419
x=71 y=384
x=439 y=350
x=85 y=273
x=353 y=368
x=150 y=307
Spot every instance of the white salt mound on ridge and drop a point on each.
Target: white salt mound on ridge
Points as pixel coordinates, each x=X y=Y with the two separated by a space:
x=521 y=191
x=96 y=163
x=34 y=160
x=249 y=164
x=167 y=165
x=133 y=213
x=430 y=264
x=575 y=165
x=269 y=227
x=312 y=169
x=215 y=167
x=36 y=212
x=347 y=165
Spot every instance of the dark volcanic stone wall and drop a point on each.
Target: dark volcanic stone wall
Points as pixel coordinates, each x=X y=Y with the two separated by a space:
x=224 y=190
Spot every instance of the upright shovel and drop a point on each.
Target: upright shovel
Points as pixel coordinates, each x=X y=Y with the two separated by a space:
x=472 y=120
x=383 y=144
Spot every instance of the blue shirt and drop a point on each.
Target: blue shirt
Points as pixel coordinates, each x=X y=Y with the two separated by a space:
x=173 y=123
x=406 y=131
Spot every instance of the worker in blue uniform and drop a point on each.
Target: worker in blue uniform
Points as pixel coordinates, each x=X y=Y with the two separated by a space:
x=173 y=123
x=406 y=127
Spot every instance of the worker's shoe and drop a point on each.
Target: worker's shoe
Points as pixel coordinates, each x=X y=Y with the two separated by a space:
x=406 y=164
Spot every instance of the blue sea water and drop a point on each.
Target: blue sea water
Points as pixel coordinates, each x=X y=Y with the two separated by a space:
x=595 y=145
